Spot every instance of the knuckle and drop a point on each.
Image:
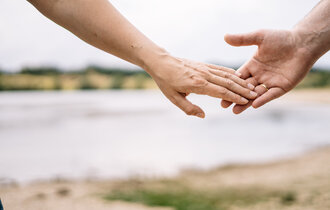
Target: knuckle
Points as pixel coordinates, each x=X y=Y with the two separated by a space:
x=227 y=94
x=226 y=75
x=223 y=91
x=198 y=82
x=229 y=82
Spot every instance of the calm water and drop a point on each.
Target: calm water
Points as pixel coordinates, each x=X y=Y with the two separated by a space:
x=122 y=133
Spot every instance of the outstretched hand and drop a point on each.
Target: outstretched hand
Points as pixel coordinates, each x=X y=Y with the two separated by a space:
x=177 y=78
x=279 y=64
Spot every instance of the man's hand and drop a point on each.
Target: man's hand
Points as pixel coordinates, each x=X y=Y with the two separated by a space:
x=279 y=64
x=283 y=57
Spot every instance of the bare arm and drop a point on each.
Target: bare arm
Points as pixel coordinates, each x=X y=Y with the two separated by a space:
x=98 y=23
x=283 y=57
x=313 y=32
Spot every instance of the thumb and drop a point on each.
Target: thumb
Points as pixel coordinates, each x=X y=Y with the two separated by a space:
x=190 y=109
x=253 y=38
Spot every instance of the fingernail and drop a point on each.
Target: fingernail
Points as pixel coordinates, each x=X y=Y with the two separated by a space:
x=238 y=74
x=200 y=115
x=251 y=86
x=244 y=100
x=253 y=94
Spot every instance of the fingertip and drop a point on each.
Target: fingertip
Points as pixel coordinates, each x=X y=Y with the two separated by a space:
x=199 y=112
x=243 y=101
x=259 y=102
x=228 y=38
x=225 y=104
x=201 y=115
x=238 y=74
x=237 y=111
x=256 y=105
x=250 y=86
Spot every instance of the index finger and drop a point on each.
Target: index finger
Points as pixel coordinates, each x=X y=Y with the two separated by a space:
x=225 y=69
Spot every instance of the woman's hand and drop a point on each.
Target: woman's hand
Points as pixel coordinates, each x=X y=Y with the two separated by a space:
x=177 y=78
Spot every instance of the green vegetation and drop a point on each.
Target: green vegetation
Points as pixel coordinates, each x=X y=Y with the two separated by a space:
x=315 y=79
x=94 y=77
x=289 y=198
x=181 y=197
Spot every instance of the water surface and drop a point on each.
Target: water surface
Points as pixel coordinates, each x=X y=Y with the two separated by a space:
x=109 y=134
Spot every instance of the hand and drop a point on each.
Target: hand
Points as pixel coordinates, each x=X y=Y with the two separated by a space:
x=280 y=63
x=177 y=78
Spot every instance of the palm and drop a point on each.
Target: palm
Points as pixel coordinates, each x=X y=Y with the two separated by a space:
x=279 y=64
x=277 y=61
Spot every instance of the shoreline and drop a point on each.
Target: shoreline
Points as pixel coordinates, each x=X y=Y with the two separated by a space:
x=302 y=175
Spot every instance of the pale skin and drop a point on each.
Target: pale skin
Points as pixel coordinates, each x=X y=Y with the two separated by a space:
x=98 y=23
x=283 y=57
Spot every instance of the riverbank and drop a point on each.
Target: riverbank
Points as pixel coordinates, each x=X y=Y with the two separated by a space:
x=289 y=184
x=300 y=183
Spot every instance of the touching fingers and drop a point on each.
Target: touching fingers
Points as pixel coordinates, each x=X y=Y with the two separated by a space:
x=234 y=78
x=223 y=83
x=231 y=85
x=260 y=89
x=216 y=91
x=225 y=104
x=190 y=109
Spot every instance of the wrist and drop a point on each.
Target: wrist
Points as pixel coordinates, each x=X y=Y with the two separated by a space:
x=154 y=60
x=150 y=57
x=309 y=43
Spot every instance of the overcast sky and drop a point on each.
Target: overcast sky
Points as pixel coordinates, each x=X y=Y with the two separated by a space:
x=192 y=29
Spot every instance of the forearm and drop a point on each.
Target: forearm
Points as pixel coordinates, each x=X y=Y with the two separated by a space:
x=98 y=23
x=313 y=32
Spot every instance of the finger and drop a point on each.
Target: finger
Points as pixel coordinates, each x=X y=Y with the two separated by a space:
x=253 y=38
x=219 y=92
x=225 y=104
x=237 y=109
x=270 y=95
x=225 y=69
x=234 y=78
x=244 y=70
x=190 y=109
x=233 y=86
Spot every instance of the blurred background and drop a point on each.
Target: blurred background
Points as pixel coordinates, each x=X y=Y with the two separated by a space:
x=69 y=111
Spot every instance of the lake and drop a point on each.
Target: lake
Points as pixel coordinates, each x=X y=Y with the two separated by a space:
x=111 y=134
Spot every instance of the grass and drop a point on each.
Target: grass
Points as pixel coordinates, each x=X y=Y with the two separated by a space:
x=180 y=197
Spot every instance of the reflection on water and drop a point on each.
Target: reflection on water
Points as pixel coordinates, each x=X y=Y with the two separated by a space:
x=123 y=133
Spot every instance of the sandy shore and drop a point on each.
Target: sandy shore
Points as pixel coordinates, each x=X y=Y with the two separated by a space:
x=308 y=176
x=308 y=95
